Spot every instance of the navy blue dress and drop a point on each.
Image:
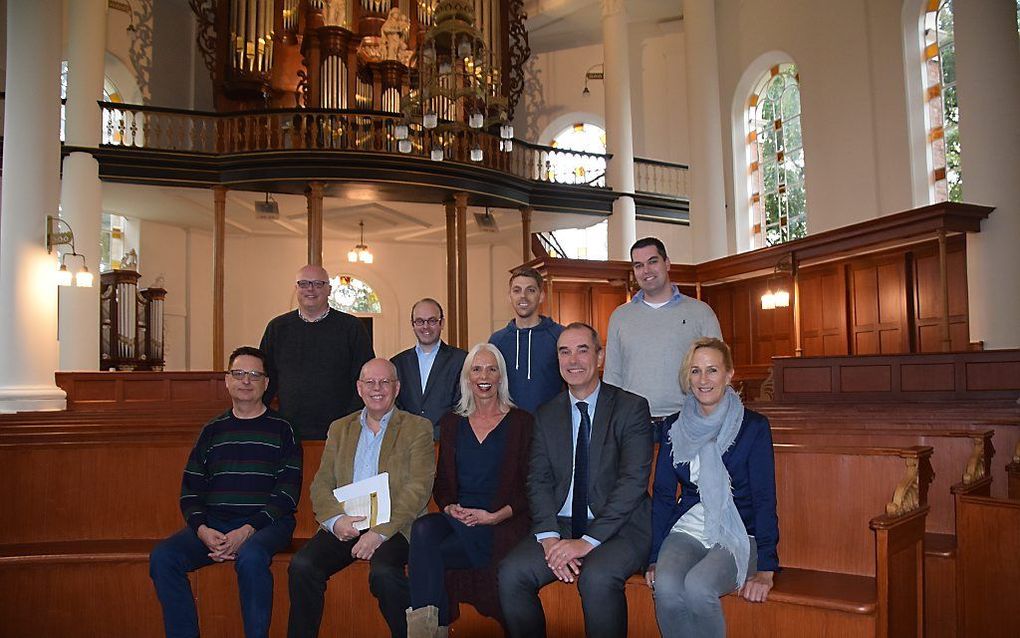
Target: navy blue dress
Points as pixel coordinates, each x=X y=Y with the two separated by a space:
x=478 y=467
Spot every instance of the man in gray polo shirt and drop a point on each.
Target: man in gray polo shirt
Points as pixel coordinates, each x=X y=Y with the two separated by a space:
x=649 y=335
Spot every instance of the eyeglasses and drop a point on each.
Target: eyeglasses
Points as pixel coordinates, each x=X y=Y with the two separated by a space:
x=308 y=284
x=383 y=384
x=431 y=321
x=254 y=375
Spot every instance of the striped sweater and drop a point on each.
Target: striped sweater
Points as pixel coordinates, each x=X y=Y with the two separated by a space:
x=242 y=469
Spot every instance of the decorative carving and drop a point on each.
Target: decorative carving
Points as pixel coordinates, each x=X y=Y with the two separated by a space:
x=520 y=51
x=977 y=463
x=205 y=13
x=394 y=36
x=912 y=491
x=371 y=49
x=334 y=13
x=767 y=392
x=532 y=115
x=140 y=52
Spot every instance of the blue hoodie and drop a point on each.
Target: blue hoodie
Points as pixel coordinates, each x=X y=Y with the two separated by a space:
x=533 y=368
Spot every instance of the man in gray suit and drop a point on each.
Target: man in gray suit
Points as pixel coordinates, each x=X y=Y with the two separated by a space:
x=429 y=372
x=591 y=515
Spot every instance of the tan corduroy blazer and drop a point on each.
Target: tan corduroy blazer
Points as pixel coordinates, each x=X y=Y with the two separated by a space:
x=408 y=455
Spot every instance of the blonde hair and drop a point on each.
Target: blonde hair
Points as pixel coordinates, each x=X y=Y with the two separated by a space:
x=466 y=405
x=704 y=342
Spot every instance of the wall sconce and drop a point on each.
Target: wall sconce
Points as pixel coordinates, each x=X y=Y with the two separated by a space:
x=592 y=74
x=778 y=298
x=360 y=251
x=57 y=237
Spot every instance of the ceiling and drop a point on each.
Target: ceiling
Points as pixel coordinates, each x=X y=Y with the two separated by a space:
x=561 y=24
x=384 y=220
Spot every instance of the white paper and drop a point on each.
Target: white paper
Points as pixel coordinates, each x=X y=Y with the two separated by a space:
x=369 y=498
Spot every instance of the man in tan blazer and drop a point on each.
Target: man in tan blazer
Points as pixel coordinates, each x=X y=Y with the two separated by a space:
x=379 y=438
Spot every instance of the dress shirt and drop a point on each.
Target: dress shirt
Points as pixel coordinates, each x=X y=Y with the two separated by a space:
x=676 y=298
x=575 y=426
x=366 y=456
x=425 y=361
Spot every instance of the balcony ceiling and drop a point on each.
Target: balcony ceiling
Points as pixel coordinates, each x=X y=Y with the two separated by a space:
x=564 y=24
x=384 y=220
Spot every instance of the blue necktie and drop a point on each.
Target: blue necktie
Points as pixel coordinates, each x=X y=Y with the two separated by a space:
x=579 y=504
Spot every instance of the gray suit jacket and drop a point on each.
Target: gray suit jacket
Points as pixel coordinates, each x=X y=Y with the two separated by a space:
x=620 y=459
x=442 y=391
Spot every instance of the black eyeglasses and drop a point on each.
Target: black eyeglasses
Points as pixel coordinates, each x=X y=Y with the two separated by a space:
x=431 y=321
x=307 y=284
x=239 y=374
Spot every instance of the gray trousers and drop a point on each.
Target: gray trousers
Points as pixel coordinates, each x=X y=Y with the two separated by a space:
x=604 y=573
x=689 y=580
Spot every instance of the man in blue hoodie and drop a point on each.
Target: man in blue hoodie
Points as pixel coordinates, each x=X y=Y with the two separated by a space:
x=528 y=343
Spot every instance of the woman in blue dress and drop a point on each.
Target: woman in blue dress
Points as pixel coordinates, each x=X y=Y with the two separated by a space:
x=721 y=534
x=480 y=489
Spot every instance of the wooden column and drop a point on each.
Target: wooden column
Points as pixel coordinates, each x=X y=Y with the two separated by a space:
x=795 y=273
x=526 y=233
x=947 y=343
x=219 y=229
x=452 y=336
x=460 y=201
x=314 y=197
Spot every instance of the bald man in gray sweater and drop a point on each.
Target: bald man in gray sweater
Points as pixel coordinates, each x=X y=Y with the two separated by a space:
x=649 y=335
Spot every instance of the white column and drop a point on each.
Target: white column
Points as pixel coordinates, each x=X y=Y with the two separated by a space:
x=31 y=166
x=619 y=134
x=988 y=83
x=708 y=198
x=81 y=195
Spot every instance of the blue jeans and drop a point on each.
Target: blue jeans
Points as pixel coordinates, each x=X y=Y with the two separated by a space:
x=185 y=552
x=689 y=579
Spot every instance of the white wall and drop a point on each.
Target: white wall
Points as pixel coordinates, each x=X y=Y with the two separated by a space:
x=849 y=56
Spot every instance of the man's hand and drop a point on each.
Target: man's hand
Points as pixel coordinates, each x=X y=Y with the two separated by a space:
x=343 y=528
x=366 y=545
x=650 y=576
x=564 y=557
x=233 y=541
x=212 y=539
x=756 y=588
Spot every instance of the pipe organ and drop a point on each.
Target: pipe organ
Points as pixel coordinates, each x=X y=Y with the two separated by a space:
x=334 y=54
x=130 y=323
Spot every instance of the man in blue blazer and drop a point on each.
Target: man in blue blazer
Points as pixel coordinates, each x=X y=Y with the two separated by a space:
x=429 y=372
x=591 y=454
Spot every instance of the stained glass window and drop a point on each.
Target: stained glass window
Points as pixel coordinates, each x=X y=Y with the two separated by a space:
x=775 y=154
x=353 y=295
x=942 y=111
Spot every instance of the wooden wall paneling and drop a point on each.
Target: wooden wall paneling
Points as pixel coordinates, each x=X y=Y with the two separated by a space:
x=571 y=301
x=604 y=300
x=878 y=305
x=823 y=311
x=927 y=306
x=743 y=310
x=771 y=330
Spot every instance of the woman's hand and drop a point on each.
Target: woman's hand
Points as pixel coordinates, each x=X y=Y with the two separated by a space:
x=471 y=516
x=650 y=576
x=756 y=588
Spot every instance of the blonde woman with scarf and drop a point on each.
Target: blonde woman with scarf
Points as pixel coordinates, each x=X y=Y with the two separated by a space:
x=721 y=534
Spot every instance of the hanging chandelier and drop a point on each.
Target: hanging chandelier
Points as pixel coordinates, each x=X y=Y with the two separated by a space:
x=360 y=251
x=457 y=90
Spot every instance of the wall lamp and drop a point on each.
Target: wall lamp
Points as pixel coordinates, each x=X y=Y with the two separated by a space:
x=55 y=236
x=592 y=74
x=778 y=298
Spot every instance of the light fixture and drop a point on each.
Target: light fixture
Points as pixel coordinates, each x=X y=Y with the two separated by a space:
x=457 y=89
x=360 y=251
x=57 y=237
x=778 y=298
x=592 y=74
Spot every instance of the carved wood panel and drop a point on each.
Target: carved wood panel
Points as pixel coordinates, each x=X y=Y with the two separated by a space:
x=878 y=296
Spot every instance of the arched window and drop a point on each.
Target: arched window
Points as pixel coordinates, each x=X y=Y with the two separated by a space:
x=942 y=111
x=110 y=94
x=568 y=168
x=775 y=156
x=353 y=295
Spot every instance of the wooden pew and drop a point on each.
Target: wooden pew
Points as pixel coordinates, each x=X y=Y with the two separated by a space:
x=988 y=546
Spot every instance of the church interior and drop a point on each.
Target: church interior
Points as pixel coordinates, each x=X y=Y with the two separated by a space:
x=838 y=180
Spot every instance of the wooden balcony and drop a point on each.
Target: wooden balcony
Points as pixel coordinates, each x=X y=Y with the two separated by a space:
x=281 y=150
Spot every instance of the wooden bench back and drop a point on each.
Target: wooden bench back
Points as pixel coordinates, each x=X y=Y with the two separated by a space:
x=829 y=495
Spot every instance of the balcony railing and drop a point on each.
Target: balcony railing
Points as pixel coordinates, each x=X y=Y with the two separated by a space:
x=154 y=128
